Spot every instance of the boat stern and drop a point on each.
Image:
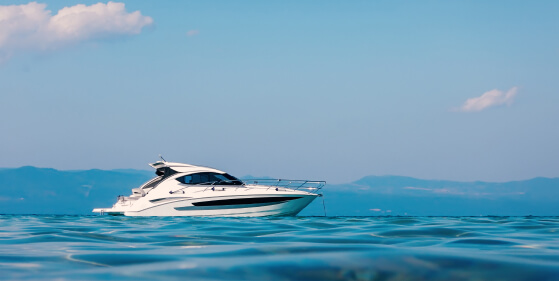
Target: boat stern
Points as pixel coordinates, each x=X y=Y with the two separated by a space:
x=108 y=211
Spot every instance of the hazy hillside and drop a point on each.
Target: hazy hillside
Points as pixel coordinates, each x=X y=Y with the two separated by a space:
x=395 y=195
x=30 y=190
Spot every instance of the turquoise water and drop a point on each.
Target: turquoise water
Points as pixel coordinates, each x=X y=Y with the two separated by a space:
x=297 y=248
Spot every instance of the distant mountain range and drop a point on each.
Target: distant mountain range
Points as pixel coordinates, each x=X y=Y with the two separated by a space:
x=31 y=190
x=396 y=195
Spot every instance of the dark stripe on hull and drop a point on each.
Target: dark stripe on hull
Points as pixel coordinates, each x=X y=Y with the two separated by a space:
x=224 y=207
x=245 y=201
x=167 y=199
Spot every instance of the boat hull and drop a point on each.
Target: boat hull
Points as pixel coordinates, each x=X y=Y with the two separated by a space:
x=229 y=206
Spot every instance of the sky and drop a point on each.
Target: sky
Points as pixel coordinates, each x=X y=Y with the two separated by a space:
x=322 y=90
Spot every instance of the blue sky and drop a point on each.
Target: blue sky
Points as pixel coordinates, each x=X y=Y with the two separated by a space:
x=329 y=90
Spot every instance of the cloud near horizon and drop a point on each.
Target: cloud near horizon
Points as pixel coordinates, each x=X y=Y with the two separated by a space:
x=192 y=32
x=32 y=27
x=489 y=99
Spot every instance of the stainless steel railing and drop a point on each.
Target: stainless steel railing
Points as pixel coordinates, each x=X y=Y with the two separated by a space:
x=309 y=186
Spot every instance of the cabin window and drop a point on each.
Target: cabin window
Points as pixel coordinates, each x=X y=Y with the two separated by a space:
x=209 y=179
x=185 y=179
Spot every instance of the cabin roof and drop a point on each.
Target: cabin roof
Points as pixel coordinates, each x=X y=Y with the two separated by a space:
x=184 y=168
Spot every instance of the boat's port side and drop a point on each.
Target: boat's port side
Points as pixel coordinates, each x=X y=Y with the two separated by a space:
x=263 y=205
x=236 y=203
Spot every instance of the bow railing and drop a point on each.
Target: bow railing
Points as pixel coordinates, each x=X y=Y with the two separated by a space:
x=309 y=186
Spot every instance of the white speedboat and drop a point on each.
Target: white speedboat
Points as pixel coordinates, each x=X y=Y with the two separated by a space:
x=189 y=190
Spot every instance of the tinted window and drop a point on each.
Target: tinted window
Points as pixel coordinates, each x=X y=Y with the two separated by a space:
x=204 y=178
x=231 y=179
x=185 y=179
x=209 y=178
x=195 y=179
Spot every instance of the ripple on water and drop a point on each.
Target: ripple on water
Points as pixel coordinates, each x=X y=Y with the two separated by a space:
x=299 y=248
x=431 y=232
x=483 y=242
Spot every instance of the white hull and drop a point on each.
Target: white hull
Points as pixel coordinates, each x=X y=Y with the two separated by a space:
x=185 y=207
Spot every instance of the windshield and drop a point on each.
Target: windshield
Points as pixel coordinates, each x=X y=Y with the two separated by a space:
x=210 y=179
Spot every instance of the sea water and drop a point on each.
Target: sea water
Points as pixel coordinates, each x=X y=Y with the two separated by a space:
x=286 y=248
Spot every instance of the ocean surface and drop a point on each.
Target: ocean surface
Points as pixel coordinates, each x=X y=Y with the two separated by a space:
x=290 y=248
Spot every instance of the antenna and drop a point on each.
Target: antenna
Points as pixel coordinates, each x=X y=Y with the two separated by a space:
x=162 y=158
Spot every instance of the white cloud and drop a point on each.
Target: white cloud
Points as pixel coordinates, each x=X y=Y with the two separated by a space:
x=417 y=188
x=32 y=27
x=192 y=32
x=489 y=99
